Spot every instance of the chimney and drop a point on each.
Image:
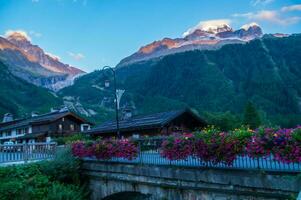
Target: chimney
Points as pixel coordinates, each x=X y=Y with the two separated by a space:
x=34 y=114
x=8 y=117
x=127 y=114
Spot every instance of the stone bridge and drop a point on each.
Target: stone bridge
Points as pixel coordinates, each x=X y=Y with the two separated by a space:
x=157 y=182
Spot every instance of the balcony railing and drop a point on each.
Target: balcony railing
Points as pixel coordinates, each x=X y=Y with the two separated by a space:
x=26 y=152
x=149 y=153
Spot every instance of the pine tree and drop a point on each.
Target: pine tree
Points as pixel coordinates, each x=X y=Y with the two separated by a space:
x=251 y=116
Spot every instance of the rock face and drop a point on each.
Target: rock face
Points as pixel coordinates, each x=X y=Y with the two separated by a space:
x=209 y=38
x=32 y=64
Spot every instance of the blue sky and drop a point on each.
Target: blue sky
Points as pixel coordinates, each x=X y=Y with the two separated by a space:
x=92 y=33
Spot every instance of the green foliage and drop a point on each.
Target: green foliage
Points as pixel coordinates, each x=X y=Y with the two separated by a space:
x=266 y=72
x=251 y=116
x=297 y=135
x=225 y=121
x=63 y=168
x=57 y=179
x=59 y=191
x=20 y=97
x=72 y=138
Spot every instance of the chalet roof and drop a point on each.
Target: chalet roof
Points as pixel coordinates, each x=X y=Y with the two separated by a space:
x=156 y=120
x=40 y=119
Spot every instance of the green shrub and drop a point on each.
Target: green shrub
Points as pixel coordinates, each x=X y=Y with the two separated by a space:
x=64 y=168
x=60 y=191
x=55 y=179
x=72 y=138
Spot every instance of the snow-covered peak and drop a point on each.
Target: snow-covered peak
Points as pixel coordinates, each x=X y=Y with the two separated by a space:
x=247 y=26
x=211 y=26
x=18 y=35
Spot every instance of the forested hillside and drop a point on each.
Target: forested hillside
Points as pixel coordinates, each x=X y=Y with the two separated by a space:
x=266 y=72
x=21 y=98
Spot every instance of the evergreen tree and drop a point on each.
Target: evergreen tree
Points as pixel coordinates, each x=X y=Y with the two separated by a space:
x=251 y=116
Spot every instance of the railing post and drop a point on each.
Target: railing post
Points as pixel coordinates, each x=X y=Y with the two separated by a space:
x=25 y=152
x=140 y=151
x=258 y=166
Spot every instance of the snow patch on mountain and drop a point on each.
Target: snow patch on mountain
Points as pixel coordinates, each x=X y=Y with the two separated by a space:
x=247 y=26
x=211 y=26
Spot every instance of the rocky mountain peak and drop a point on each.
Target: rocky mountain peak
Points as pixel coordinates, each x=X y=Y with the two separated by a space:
x=17 y=36
x=252 y=25
x=206 y=35
x=21 y=55
x=218 y=28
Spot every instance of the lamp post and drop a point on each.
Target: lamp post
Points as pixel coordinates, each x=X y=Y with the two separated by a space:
x=117 y=96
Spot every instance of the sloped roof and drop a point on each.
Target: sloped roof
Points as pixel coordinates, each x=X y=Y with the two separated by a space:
x=48 y=117
x=156 y=120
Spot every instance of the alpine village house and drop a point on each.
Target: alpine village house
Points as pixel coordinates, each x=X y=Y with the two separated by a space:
x=41 y=128
x=158 y=124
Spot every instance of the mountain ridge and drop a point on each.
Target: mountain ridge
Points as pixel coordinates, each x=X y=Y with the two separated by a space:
x=202 y=38
x=32 y=64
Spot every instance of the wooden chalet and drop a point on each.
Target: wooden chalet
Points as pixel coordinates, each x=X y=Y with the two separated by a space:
x=157 y=124
x=41 y=128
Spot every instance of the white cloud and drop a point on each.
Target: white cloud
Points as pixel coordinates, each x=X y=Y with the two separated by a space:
x=76 y=56
x=206 y=25
x=17 y=32
x=296 y=7
x=269 y=16
x=260 y=2
x=35 y=34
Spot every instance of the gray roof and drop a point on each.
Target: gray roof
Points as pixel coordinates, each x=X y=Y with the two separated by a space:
x=156 y=120
x=45 y=118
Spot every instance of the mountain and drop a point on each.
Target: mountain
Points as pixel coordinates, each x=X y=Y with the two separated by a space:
x=265 y=71
x=20 y=97
x=32 y=64
x=202 y=38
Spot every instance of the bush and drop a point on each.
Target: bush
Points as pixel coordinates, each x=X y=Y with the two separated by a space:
x=56 y=179
x=59 y=191
x=72 y=138
x=64 y=167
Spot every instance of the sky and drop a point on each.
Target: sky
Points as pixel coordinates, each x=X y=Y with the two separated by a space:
x=90 y=34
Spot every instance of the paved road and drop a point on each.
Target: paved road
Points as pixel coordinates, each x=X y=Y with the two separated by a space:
x=267 y=164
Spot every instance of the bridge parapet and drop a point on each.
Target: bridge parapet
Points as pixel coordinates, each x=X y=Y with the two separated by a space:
x=185 y=183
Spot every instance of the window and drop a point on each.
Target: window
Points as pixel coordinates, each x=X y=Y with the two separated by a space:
x=19 y=131
x=85 y=127
x=71 y=127
x=8 y=133
x=60 y=127
x=63 y=119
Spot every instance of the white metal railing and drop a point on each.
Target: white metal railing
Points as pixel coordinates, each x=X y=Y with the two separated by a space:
x=3 y=137
x=26 y=152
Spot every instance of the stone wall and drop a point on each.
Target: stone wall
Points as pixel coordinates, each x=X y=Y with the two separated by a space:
x=179 y=183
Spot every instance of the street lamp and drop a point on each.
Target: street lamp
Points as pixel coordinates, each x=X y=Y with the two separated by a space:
x=117 y=95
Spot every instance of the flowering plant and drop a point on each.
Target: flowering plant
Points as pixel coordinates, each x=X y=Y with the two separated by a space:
x=106 y=149
x=212 y=145
x=82 y=149
x=217 y=147
x=261 y=143
x=177 y=147
x=287 y=147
